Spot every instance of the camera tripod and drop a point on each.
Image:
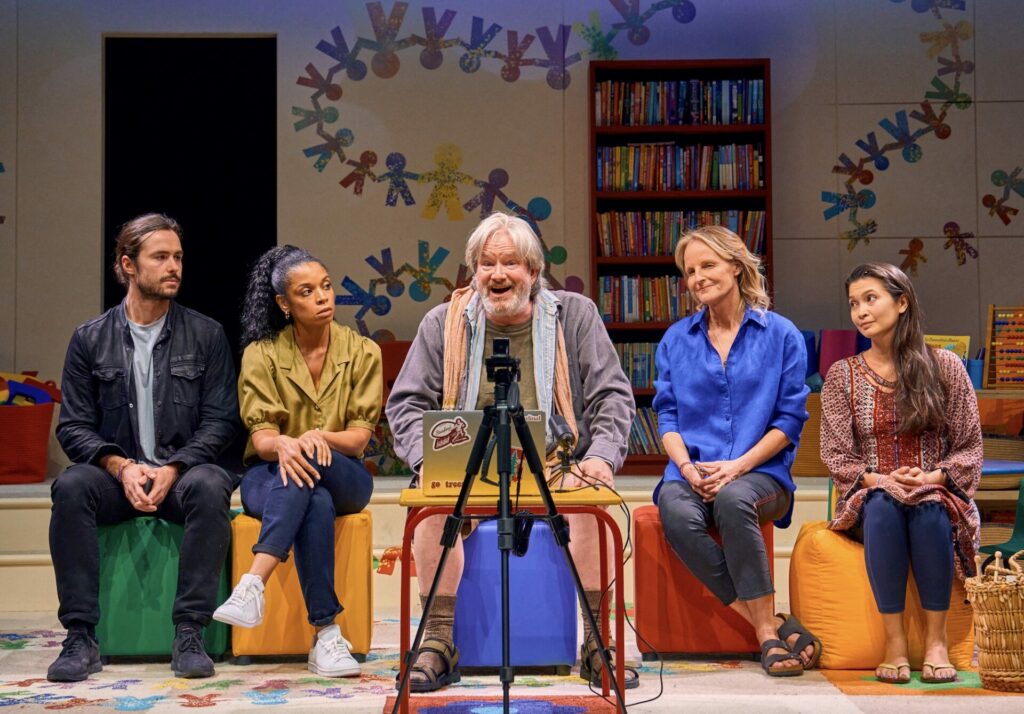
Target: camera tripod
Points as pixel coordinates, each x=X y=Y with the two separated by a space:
x=498 y=421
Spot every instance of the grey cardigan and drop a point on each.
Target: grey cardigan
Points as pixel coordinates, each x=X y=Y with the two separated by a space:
x=601 y=395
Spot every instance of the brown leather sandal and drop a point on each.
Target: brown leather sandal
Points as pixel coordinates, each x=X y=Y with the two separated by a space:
x=434 y=680
x=592 y=672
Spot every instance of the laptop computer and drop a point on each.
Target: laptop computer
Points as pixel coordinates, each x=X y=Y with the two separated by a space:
x=448 y=438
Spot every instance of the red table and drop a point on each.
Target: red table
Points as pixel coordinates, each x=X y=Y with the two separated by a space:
x=590 y=501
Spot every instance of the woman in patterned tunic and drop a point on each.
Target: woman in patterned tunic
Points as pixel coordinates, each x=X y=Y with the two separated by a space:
x=901 y=438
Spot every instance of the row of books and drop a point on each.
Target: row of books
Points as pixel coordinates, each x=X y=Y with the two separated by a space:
x=637 y=359
x=642 y=233
x=625 y=298
x=671 y=167
x=643 y=436
x=679 y=102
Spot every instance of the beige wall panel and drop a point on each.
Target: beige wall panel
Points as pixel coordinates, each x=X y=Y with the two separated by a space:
x=808 y=285
x=8 y=180
x=999 y=35
x=880 y=55
x=803 y=153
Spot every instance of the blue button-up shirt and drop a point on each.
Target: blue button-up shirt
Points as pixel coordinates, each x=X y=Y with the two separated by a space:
x=722 y=411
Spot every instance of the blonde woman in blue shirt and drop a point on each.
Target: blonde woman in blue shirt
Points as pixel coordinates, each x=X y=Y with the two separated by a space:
x=731 y=404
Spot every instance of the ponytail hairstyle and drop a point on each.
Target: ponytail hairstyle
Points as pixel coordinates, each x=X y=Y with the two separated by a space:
x=920 y=392
x=134 y=233
x=261 y=315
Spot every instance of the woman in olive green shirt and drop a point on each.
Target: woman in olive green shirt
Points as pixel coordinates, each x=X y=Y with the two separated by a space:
x=310 y=395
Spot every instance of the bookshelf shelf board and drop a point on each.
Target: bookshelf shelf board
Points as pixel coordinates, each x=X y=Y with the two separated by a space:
x=678 y=129
x=628 y=260
x=637 y=325
x=677 y=195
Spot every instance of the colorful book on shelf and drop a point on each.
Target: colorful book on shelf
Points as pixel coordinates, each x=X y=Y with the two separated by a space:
x=960 y=345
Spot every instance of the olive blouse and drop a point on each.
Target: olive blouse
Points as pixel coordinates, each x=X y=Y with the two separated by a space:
x=275 y=388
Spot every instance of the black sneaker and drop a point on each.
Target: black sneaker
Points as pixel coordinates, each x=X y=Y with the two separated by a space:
x=79 y=657
x=188 y=656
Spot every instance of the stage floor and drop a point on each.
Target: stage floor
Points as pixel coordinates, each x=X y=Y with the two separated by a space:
x=30 y=641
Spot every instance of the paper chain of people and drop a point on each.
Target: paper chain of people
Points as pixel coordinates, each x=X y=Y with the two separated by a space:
x=151 y=399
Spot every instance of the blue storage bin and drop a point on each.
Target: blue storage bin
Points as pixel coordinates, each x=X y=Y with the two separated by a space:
x=542 y=599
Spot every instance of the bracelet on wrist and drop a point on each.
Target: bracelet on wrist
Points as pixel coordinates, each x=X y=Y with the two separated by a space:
x=120 y=469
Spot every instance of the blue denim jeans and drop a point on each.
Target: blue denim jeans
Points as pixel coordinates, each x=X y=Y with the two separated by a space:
x=897 y=537
x=304 y=518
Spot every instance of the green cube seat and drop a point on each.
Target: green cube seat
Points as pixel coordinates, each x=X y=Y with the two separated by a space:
x=138 y=584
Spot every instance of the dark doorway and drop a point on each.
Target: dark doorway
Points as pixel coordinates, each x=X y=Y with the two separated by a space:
x=191 y=131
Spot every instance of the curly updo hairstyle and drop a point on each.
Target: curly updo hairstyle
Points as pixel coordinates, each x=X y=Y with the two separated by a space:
x=261 y=316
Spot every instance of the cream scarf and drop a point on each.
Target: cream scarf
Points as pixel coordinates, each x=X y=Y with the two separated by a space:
x=456 y=349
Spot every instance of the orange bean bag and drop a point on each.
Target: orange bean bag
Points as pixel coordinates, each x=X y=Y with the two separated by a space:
x=829 y=592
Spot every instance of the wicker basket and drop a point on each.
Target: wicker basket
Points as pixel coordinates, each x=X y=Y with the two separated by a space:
x=997 y=596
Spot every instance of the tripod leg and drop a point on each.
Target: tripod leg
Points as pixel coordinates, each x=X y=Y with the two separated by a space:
x=452 y=527
x=560 y=530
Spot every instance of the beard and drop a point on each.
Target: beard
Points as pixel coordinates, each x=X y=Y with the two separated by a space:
x=158 y=289
x=506 y=307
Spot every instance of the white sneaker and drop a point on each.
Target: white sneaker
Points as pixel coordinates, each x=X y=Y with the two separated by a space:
x=330 y=656
x=245 y=606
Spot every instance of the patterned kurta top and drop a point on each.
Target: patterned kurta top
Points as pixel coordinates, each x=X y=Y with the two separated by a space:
x=858 y=434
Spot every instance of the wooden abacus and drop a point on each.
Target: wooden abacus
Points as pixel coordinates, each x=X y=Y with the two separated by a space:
x=1004 y=348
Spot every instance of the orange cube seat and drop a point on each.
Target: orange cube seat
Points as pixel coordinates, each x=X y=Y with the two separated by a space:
x=675 y=613
x=285 y=629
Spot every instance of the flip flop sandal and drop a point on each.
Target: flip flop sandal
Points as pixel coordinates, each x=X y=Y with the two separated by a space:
x=895 y=668
x=588 y=651
x=935 y=667
x=767 y=660
x=435 y=680
x=791 y=626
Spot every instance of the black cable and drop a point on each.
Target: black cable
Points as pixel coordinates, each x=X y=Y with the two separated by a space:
x=627 y=547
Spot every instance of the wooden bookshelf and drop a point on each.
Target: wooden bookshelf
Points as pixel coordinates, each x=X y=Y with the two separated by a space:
x=673 y=144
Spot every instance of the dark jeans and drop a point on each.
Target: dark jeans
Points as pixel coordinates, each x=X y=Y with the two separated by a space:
x=86 y=496
x=897 y=536
x=739 y=567
x=304 y=518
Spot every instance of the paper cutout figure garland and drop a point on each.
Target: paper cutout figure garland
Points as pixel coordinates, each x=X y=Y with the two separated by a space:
x=929 y=118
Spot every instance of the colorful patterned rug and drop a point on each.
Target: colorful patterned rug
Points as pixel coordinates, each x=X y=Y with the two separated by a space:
x=26 y=652
x=863 y=683
x=421 y=704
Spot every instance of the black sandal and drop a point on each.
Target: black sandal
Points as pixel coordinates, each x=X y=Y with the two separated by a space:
x=435 y=680
x=767 y=660
x=791 y=626
x=588 y=651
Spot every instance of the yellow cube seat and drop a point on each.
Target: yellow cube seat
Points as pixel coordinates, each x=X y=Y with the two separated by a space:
x=830 y=593
x=285 y=629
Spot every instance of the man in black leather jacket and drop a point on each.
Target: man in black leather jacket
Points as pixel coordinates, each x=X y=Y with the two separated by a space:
x=149 y=402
